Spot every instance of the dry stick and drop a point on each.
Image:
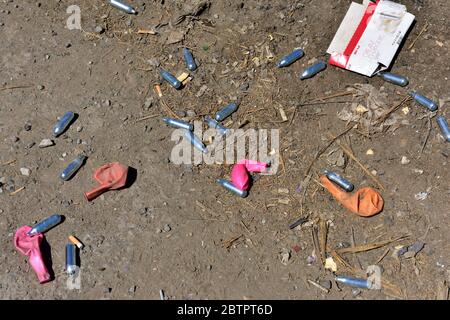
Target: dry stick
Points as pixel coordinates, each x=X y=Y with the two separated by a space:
x=348 y=151
x=370 y=246
x=324 y=102
x=17 y=191
x=15 y=87
x=339 y=94
x=315 y=236
x=352 y=238
x=321 y=151
x=382 y=256
x=386 y=115
x=427 y=137
x=168 y=109
x=315 y=284
x=9 y=162
x=148 y=117
x=323 y=232
x=418 y=36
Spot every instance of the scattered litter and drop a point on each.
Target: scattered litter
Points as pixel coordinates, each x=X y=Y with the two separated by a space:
x=111 y=176
x=340 y=181
x=189 y=60
x=354 y=282
x=365 y=202
x=45 y=225
x=240 y=173
x=179 y=124
x=231 y=187
x=424 y=101
x=183 y=77
x=31 y=247
x=170 y=78
x=444 y=127
x=76 y=242
x=73 y=167
x=290 y=58
x=363 y=42
x=122 y=6
x=394 y=78
x=71 y=259
x=226 y=111
x=370 y=152
x=62 y=125
x=313 y=70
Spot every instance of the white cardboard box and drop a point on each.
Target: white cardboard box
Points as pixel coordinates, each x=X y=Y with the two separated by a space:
x=369 y=36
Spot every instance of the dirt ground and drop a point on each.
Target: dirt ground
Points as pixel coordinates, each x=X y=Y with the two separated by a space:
x=170 y=228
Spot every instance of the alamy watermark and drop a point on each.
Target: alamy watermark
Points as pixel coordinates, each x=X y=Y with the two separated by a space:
x=254 y=144
x=74 y=20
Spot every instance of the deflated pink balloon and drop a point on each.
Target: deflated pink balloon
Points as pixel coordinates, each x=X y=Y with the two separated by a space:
x=240 y=174
x=240 y=177
x=30 y=246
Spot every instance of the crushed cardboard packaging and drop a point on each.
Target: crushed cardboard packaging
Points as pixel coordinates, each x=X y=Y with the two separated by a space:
x=370 y=36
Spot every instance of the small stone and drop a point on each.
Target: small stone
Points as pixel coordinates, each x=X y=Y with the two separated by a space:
x=79 y=141
x=40 y=87
x=79 y=129
x=191 y=113
x=27 y=126
x=180 y=113
x=107 y=103
x=99 y=29
x=30 y=145
x=46 y=143
x=14 y=139
x=25 y=172
x=68 y=45
x=370 y=152
x=285 y=255
x=158 y=230
x=148 y=103
x=167 y=228
x=405 y=160
x=356 y=292
x=132 y=289
x=154 y=62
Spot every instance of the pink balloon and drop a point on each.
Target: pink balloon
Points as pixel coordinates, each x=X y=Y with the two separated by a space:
x=30 y=246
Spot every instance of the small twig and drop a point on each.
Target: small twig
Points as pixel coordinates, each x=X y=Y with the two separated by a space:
x=382 y=256
x=352 y=238
x=227 y=244
x=386 y=115
x=315 y=284
x=321 y=151
x=148 y=117
x=168 y=109
x=17 y=191
x=418 y=36
x=427 y=137
x=15 y=87
x=339 y=94
x=9 y=162
x=348 y=151
x=370 y=246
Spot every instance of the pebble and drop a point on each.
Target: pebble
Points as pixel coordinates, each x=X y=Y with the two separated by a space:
x=132 y=289
x=158 y=230
x=405 y=160
x=356 y=292
x=27 y=126
x=154 y=62
x=191 y=113
x=99 y=29
x=167 y=228
x=41 y=87
x=25 y=171
x=14 y=139
x=46 y=143
x=148 y=103
x=107 y=103
x=79 y=129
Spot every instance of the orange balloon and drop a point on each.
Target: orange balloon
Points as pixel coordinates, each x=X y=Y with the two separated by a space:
x=365 y=202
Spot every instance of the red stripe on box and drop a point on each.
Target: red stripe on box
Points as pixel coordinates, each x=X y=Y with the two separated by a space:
x=342 y=59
